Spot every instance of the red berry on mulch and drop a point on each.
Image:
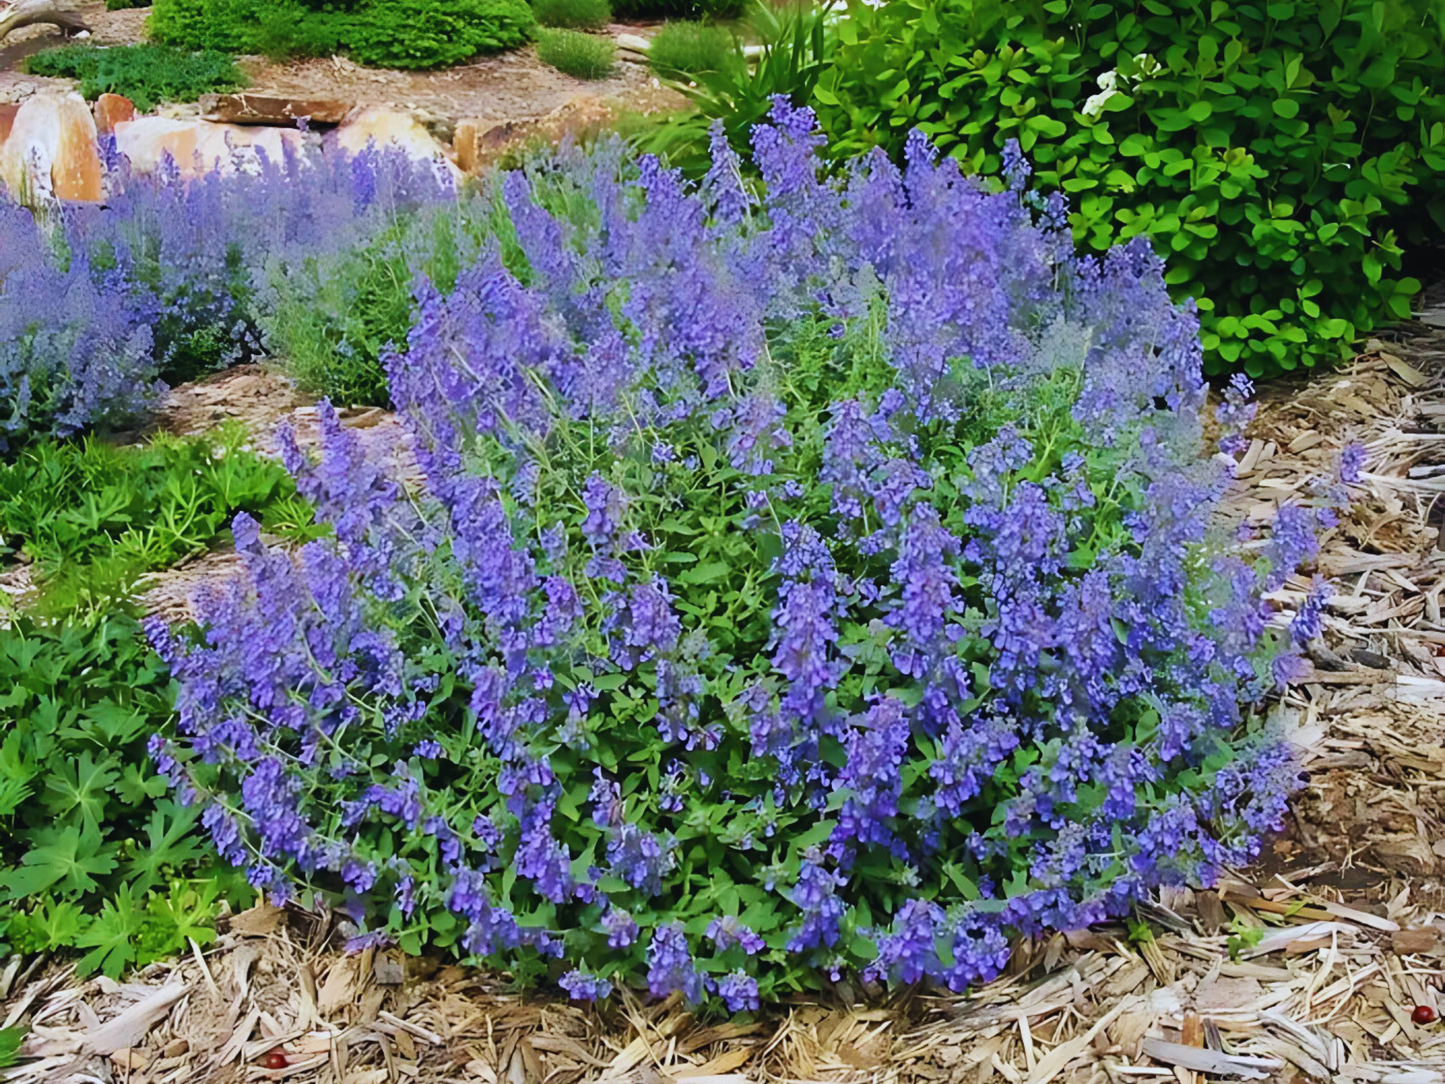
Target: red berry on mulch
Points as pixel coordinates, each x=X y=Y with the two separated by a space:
x=277 y=1060
x=1423 y=1014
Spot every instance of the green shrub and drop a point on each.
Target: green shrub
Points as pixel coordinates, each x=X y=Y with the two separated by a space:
x=93 y=855
x=576 y=53
x=684 y=49
x=382 y=33
x=1276 y=155
x=572 y=14
x=146 y=74
x=91 y=517
x=435 y=33
x=126 y=5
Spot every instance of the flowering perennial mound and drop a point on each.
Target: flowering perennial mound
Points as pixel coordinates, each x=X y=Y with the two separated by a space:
x=800 y=584
x=170 y=277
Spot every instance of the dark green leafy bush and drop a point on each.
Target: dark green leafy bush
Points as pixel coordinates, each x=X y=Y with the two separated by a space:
x=573 y=14
x=92 y=853
x=577 y=53
x=382 y=33
x=126 y=5
x=146 y=74
x=686 y=49
x=1276 y=154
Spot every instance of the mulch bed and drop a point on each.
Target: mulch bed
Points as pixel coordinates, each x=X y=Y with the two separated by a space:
x=1306 y=966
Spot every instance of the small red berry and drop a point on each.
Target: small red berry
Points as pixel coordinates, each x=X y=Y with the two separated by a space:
x=277 y=1060
x=1423 y=1014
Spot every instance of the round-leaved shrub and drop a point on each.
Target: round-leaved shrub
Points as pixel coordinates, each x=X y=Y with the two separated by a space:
x=1281 y=157
x=795 y=584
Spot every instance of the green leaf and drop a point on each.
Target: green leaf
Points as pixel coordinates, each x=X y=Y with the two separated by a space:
x=169 y=845
x=705 y=573
x=111 y=937
x=79 y=788
x=64 y=861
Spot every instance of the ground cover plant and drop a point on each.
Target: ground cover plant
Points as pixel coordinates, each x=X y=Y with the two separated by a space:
x=379 y=33
x=93 y=854
x=801 y=583
x=1279 y=156
x=146 y=74
x=577 y=53
x=91 y=518
x=572 y=14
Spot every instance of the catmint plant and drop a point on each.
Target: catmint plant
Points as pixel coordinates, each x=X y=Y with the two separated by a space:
x=801 y=581
x=172 y=278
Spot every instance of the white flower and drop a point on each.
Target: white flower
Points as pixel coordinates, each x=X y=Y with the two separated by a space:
x=1108 y=87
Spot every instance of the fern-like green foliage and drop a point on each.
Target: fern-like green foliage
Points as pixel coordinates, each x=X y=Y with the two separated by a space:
x=146 y=74
x=91 y=517
x=577 y=53
x=573 y=14
x=797 y=49
x=684 y=49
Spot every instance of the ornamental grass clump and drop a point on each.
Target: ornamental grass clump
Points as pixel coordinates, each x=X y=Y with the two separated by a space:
x=799 y=583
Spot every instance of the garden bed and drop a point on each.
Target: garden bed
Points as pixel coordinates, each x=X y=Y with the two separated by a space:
x=1348 y=903
x=513 y=86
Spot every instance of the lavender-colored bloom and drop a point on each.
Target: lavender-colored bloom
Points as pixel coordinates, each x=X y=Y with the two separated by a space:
x=739 y=992
x=670 y=966
x=728 y=931
x=621 y=928
x=581 y=986
x=1308 y=623
x=1352 y=462
x=645 y=544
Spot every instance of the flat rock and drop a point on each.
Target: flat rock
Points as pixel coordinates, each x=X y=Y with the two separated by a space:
x=480 y=144
x=7 y=119
x=280 y=112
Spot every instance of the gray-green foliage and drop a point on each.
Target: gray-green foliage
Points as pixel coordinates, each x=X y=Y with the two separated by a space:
x=577 y=53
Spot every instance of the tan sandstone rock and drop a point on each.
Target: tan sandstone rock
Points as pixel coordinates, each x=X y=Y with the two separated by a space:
x=50 y=152
x=199 y=147
x=381 y=127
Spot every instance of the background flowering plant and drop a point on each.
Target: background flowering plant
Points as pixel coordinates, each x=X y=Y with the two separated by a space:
x=172 y=277
x=797 y=584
